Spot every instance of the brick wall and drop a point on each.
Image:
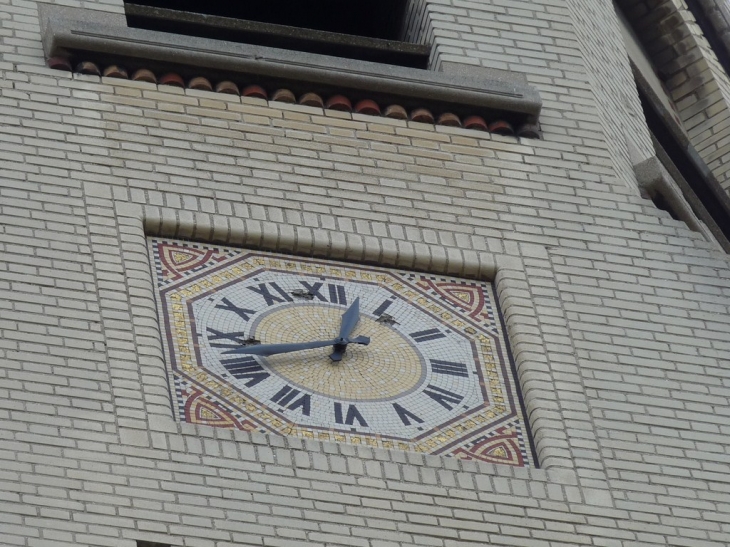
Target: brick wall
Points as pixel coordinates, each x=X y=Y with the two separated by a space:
x=617 y=314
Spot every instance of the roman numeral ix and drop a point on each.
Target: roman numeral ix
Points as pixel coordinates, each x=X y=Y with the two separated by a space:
x=235 y=339
x=227 y=305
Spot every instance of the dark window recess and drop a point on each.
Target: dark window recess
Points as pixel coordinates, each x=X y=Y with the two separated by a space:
x=369 y=31
x=141 y=543
x=689 y=165
x=661 y=202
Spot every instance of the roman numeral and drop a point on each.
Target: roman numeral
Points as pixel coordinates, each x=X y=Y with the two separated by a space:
x=270 y=299
x=443 y=397
x=335 y=293
x=381 y=309
x=405 y=415
x=287 y=394
x=235 y=337
x=353 y=415
x=426 y=335
x=450 y=368
x=227 y=305
x=242 y=368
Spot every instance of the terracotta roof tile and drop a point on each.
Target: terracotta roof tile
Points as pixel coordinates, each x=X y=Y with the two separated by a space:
x=367 y=106
x=497 y=124
x=173 y=79
x=339 y=102
x=311 y=99
x=284 y=96
x=422 y=115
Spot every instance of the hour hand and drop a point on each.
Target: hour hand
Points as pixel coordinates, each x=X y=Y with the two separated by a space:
x=350 y=319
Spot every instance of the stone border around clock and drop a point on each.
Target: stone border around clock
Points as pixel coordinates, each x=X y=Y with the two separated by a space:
x=153 y=424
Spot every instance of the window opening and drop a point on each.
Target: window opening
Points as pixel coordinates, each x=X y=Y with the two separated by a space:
x=689 y=166
x=661 y=203
x=370 y=31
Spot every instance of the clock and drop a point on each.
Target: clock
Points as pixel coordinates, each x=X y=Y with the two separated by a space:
x=338 y=352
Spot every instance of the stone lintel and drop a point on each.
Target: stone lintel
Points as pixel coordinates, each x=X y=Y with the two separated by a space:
x=98 y=35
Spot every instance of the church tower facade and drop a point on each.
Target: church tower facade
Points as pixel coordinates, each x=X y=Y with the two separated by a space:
x=420 y=273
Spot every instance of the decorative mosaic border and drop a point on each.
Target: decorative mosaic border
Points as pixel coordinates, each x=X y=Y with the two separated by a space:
x=189 y=275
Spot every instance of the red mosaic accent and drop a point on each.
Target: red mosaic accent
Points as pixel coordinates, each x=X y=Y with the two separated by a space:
x=468 y=298
x=176 y=260
x=502 y=448
x=202 y=411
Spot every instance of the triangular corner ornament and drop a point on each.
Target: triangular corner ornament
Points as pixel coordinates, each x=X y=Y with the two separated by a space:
x=203 y=411
x=200 y=410
x=469 y=298
x=177 y=260
x=503 y=448
x=498 y=452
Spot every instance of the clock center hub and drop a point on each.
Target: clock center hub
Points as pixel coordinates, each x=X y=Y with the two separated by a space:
x=389 y=367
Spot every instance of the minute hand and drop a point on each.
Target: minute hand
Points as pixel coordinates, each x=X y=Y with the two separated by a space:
x=273 y=349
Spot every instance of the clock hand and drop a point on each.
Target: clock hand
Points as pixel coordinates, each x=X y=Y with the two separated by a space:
x=274 y=349
x=350 y=319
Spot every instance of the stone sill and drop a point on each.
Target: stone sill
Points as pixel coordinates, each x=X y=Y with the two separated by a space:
x=104 y=37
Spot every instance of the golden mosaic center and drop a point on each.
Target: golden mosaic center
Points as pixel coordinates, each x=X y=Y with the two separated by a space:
x=388 y=367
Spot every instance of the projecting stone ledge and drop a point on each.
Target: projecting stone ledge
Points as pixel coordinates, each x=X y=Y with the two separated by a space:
x=105 y=38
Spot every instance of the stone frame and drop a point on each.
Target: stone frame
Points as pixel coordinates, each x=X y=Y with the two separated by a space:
x=146 y=389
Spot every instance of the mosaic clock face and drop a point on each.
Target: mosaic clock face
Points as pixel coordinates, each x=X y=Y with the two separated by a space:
x=435 y=376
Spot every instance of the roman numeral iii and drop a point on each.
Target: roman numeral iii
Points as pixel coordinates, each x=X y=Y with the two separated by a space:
x=449 y=367
x=426 y=335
